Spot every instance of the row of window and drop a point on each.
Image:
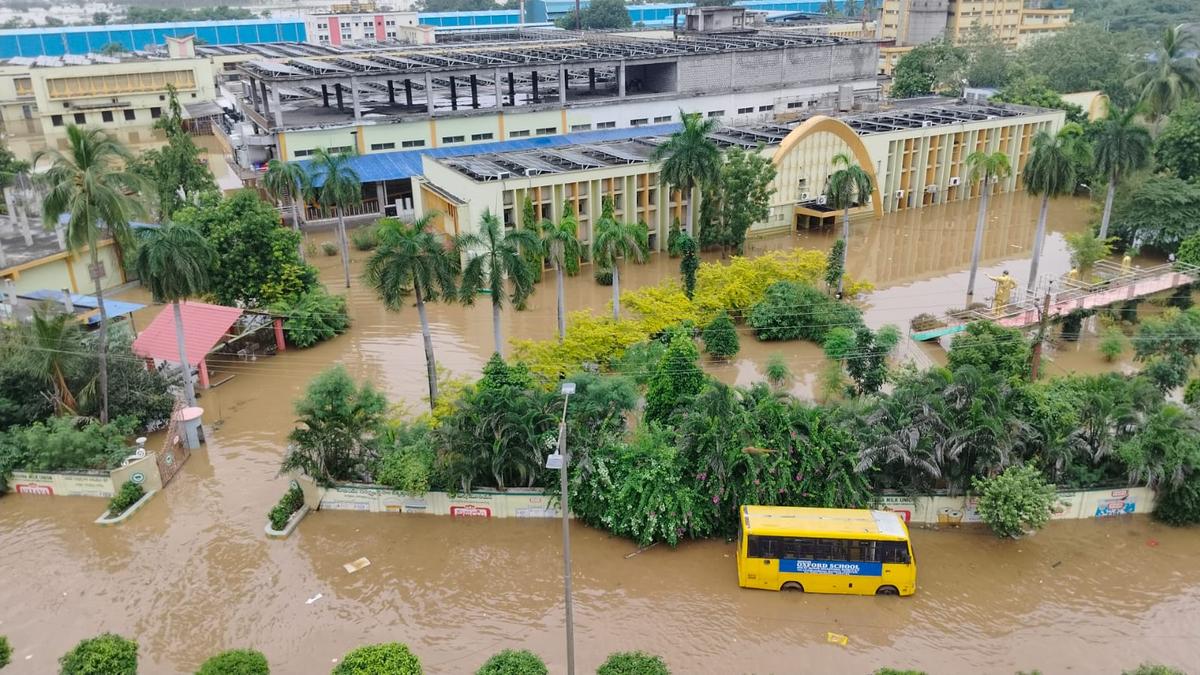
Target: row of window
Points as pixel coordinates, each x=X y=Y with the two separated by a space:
x=849 y=550
x=105 y=116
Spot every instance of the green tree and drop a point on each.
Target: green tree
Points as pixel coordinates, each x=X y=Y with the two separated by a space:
x=1177 y=148
x=100 y=18
x=985 y=169
x=598 y=15
x=989 y=63
x=991 y=348
x=411 y=261
x=1170 y=76
x=560 y=245
x=1179 y=505
x=337 y=186
x=936 y=67
x=1165 y=451
x=1122 y=147
x=55 y=341
x=105 y=654
x=676 y=380
x=1049 y=173
x=1086 y=250
x=745 y=185
x=174 y=262
x=720 y=337
x=533 y=256
x=1134 y=17
x=633 y=663
x=689 y=263
x=1034 y=89
x=258 y=263
x=1015 y=502
x=392 y=658
x=1158 y=212
x=291 y=180
x=690 y=159
x=5 y=652
x=498 y=261
x=1112 y=344
x=513 y=662
x=835 y=265
x=777 y=372
x=1083 y=57
x=867 y=365
x=849 y=185
x=1167 y=346
x=175 y=170
x=89 y=186
x=340 y=423
x=614 y=240
x=236 y=662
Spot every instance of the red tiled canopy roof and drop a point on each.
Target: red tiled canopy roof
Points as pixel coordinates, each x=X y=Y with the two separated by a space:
x=203 y=327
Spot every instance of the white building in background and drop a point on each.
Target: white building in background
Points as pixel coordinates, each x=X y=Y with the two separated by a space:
x=364 y=22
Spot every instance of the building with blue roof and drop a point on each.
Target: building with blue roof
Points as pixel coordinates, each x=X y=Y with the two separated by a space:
x=659 y=14
x=80 y=40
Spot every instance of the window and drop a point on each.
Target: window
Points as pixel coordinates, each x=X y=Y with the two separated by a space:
x=765 y=108
x=446 y=140
x=546 y=131
x=605 y=125
x=522 y=133
x=716 y=113
x=56 y=120
x=482 y=137
x=412 y=144
x=664 y=118
x=155 y=112
x=851 y=550
x=130 y=115
x=303 y=153
x=743 y=111
x=106 y=116
x=641 y=121
x=383 y=146
x=792 y=105
x=581 y=127
x=338 y=150
x=80 y=118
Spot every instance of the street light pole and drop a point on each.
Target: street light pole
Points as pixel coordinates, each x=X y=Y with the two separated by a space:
x=559 y=460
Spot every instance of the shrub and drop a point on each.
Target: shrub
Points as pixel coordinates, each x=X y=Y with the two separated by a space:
x=365 y=238
x=291 y=502
x=126 y=497
x=590 y=339
x=5 y=651
x=1112 y=344
x=1153 y=669
x=603 y=276
x=329 y=248
x=63 y=443
x=633 y=663
x=925 y=321
x=406 y=466
x=105 y=654
x=1179 y=504
x=1014 y=502
x=990 y=348
x=896 y=671
x=777 y=371
x=720 y=337
x=659 y=307
x=513 y=662
x=791 y=311
x=392 y=658
x=676 y=379
x=313 y=317
x=341 y=420
x=236 y=662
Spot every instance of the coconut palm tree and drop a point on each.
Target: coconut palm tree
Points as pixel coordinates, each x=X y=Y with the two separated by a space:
x=1050 y=172
x=561 y=247
x=1122 y=147
x=689 y=160
x=983 y=169
x=849 y=184
x=413 y=261
x=56 y=338
x=340 y=187
x=174 y=262
x=613 y=240
x=499 y=258
x=89 y=185
x=1170 y=75
x=288 y=179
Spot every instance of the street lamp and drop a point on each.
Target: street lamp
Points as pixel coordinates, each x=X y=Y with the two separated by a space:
x=559 y=460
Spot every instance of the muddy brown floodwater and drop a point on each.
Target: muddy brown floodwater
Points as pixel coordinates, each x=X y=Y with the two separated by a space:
x=192 y=573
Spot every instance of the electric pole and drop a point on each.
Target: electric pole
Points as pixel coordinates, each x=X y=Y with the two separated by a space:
x=1043 y=320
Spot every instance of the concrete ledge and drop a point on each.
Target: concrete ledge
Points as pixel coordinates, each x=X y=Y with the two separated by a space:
x=293 y=521
x=106 y=519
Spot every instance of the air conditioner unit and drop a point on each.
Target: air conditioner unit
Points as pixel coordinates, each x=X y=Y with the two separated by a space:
x=955 y=181
x=931 y=188
x=503 y=175
x=899 y=194
x=821 y=199
x=926 y=123
x=803 y=196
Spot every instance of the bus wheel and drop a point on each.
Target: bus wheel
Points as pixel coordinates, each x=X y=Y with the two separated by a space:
x=887 y=590
x=792 y=586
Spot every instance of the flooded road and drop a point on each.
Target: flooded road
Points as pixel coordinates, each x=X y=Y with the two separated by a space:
x=192 y=573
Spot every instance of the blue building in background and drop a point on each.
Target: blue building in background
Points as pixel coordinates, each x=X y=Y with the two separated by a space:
x=57 y=41
x=661 y=13
x=482 y=19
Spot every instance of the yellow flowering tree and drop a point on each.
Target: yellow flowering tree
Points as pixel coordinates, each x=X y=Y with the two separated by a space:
x=589 y=339
x=660 y=307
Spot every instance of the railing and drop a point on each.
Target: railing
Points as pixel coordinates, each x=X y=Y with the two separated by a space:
x=368 y=207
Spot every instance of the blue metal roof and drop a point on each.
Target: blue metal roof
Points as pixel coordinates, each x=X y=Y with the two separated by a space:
x=379 y=166
x=113 y=307
x=57 y=41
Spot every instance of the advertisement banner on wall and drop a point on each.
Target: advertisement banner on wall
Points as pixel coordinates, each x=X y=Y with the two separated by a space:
x=61 y=484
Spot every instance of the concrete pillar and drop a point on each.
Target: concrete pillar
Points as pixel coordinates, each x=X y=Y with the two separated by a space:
x=453 y=94
x=23 y=218
x=562 y=83
x=278 y=107
x=512 y=89
x=474 y=91
x=354 y=98
x=534 y=79
x=592 y=79
x=337 y=90
x=253 y=94
x=266 y=103
x=621 y=80
x=325 y=95
x=280 y=344
x=391 y=92
x=407 y=91
x=429 y=93
x=380 y=195
x=499 y=90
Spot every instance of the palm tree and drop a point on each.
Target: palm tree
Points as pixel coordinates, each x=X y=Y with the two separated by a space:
x=1122 y=147
x=1168 y=77
x=689 y=159
x=174 y=262
x=848 y=185
x=340 y=187
x=291 y=180
x=413 y=261
x=561 y=247
x=983 y=169
x=1050 y=172
x=500 y=259
x=55 y=336
x=613 y=240
x=89 y=185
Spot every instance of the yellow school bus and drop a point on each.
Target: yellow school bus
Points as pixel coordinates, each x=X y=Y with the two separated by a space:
x=852 y=551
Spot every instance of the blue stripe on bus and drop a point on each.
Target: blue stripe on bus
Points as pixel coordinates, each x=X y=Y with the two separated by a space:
x=856 y=569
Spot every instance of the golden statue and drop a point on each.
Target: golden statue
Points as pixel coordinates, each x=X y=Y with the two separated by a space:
x=1004 y=287
x=1126 y=264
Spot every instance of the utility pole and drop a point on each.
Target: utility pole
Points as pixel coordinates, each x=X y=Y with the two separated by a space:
x=560 y=460
x=1043 y=320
